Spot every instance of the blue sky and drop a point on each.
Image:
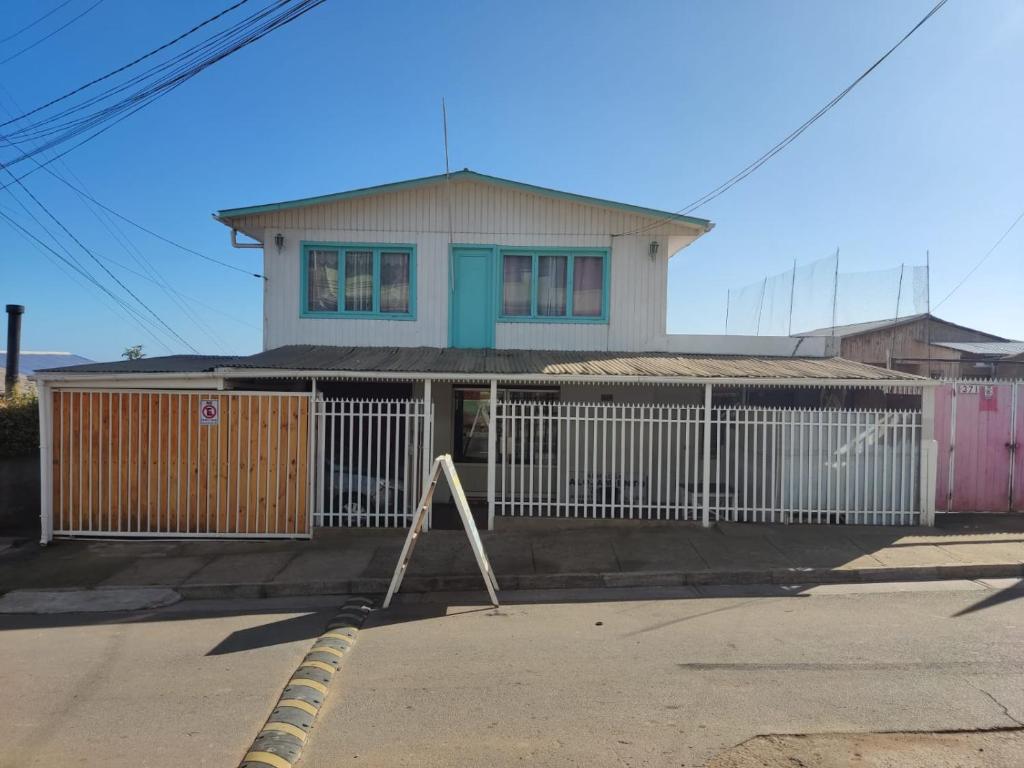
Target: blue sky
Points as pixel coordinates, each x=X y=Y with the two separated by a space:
x=651 y=103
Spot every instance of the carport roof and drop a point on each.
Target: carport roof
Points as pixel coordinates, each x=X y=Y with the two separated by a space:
x=453 y=364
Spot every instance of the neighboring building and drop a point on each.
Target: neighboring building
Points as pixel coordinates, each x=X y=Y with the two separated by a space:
x=34 y=361
x=928 y=346
x=519 y=328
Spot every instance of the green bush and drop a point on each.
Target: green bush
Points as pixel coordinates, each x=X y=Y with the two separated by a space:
x=19 y=425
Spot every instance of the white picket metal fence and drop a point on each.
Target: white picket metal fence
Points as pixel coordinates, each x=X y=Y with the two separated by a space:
x=371 y=460
x=815 y=465
x=604 y=460
x=598 y=460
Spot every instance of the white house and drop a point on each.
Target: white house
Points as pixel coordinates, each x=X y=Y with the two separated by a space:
x=519 y=328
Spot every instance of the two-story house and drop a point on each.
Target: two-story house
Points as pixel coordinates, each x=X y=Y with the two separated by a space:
x=518 y=328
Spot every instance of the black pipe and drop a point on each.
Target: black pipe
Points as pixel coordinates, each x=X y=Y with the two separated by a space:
x=14 y=313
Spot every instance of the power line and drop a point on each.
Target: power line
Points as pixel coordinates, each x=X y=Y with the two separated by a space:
x=186 y=66
x=793 y=136
x=150 y=232
x=114 y=277
x=982 y=260
x=130 y=64
x=126 y=244
x=29 y=26
x=129 y=311
x=43 y=39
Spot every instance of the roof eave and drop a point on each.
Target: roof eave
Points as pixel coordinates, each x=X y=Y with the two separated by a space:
x=225 y=216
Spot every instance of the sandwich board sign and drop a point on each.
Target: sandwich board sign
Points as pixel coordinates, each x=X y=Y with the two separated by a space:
x=443 y=464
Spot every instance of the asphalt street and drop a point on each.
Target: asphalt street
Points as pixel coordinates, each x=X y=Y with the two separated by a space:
x=611 y=677
x=187 y=685
x=657 y=681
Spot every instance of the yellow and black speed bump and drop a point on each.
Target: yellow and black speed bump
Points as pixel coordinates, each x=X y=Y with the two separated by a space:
x=280 y=742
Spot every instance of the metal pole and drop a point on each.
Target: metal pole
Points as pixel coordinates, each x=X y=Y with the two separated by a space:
x=928 y=310
x=760 y=306
x=727 y=313
x=706 y=456
x=835 y=294
x=492 y=444
x=13 y=365
x=892 y=336
x=428 y=441
x=792 y=289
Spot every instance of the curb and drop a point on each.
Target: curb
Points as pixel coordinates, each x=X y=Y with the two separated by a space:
x=534 y=581
x=279 y=743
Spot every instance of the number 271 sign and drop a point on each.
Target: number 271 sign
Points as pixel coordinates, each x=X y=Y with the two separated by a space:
x=209 y=413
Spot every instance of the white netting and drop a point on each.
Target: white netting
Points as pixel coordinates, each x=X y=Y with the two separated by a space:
x=813 y=296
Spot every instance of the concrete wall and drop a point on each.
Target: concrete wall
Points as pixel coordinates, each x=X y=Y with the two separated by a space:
x=19 y=494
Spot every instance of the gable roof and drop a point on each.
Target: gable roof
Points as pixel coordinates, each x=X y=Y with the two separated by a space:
x=224 y=216
x=855 y=329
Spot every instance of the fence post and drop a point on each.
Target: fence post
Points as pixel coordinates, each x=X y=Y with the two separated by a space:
x=706 y=458
x=492 y=444
x=45 y=396
x=929 y=455
x=428 y=442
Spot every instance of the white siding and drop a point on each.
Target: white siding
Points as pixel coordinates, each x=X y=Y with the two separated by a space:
x=485 y=214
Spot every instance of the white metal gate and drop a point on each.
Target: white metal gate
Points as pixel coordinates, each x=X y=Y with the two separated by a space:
x=665 y=462
x=371 y=460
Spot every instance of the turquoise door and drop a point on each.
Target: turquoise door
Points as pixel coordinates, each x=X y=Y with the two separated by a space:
x=471 y=310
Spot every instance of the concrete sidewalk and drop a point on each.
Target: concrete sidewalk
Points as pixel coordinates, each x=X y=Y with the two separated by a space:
x=533 y=554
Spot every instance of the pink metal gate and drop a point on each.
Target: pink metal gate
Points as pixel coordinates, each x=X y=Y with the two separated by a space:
x=979 y=426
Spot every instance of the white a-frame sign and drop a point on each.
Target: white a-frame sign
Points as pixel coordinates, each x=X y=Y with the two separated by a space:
x=443 y=464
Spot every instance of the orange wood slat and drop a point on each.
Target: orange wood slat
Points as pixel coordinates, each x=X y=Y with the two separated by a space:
x=141 y=462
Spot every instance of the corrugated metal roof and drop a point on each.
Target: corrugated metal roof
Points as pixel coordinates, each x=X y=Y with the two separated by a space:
x=854 y=328
x=1000 y=348
x=41 y=361
x=166 y=364
x=543 y=363
x=519 y=363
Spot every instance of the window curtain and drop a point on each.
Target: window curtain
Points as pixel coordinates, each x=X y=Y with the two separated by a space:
x=516 y=292
x=322 y=281
x=359 y=281
x=551 y=285
x=587 y=286
x=394 y=282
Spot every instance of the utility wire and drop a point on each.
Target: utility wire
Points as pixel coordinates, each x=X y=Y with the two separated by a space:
x=130 y=64
x=129 y=311
x=29 y=26
x=186 y=67
x=150 y=232
x=127 y=245
x=43 y=39
x=793 y=136
x=102 y=266
x=982 y=260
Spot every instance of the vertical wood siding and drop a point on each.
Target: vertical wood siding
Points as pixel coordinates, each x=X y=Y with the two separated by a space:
x=141 y=463
x=481 y=214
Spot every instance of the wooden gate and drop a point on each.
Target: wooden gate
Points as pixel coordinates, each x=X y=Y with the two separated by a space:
x=980 y=426
x=148 y=463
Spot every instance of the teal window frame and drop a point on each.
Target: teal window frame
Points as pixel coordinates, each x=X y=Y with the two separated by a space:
x=342 y=248
x=572 y=254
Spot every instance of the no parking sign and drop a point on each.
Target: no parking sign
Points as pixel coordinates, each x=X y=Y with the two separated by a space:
x=209 y=412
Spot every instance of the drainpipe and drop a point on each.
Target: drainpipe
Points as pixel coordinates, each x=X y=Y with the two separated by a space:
x=236 y=244
x=14 y=313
